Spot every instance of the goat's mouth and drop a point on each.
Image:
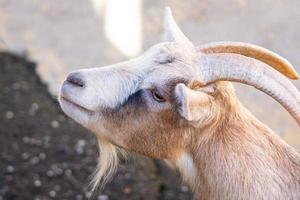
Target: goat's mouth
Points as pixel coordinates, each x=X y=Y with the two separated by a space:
x=65 y=100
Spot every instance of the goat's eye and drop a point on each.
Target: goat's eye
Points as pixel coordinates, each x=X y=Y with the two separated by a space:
x=157 y=96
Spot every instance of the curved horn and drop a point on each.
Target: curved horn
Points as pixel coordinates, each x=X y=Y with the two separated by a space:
x=172 y=31
x=239 y=68
x=253 y=51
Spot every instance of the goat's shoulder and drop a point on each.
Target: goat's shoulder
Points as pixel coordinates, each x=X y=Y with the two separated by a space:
x=243 y=157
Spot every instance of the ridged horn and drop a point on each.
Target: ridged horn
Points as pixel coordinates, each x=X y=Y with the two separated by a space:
x=239 y=68
x=253 y=51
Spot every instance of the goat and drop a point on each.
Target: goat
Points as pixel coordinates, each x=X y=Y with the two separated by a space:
x=175 y=102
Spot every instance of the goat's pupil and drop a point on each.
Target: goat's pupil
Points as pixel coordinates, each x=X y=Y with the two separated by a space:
x=158 y=97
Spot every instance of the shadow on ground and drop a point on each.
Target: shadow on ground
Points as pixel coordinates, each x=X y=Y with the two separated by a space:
x=45 y=155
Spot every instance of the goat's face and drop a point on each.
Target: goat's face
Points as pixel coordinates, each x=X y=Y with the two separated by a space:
x=153 y=103
x=149 y=104
x=135 y=104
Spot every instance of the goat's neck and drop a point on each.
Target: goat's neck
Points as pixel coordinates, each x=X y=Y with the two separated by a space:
x=239 y=155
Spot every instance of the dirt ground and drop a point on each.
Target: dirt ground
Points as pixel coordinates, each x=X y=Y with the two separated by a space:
x=45 y=155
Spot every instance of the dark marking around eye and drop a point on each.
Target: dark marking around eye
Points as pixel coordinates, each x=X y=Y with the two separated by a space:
x=134 y=106
x=134 y=99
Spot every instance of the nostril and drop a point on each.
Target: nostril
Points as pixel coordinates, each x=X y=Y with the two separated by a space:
x=75 y=79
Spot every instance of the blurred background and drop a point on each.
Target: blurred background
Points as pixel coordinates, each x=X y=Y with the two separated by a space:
x=45 y=155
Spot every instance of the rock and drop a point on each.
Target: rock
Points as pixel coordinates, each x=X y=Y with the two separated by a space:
x=102 y=197
x=37 y=183
x=10 y=169
x=9 y=115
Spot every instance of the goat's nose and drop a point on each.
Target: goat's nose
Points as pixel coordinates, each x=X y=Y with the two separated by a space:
x=75 y=79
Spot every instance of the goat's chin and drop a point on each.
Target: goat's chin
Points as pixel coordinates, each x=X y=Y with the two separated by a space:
x=76 y=112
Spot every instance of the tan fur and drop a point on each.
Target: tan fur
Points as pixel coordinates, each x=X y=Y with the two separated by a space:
x=231 y=153
x=236 y=156
x=240 y=158
x=221 y=150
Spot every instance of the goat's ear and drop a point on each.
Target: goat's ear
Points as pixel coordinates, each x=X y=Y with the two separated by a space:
x=172 y=31
x=193 y=104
